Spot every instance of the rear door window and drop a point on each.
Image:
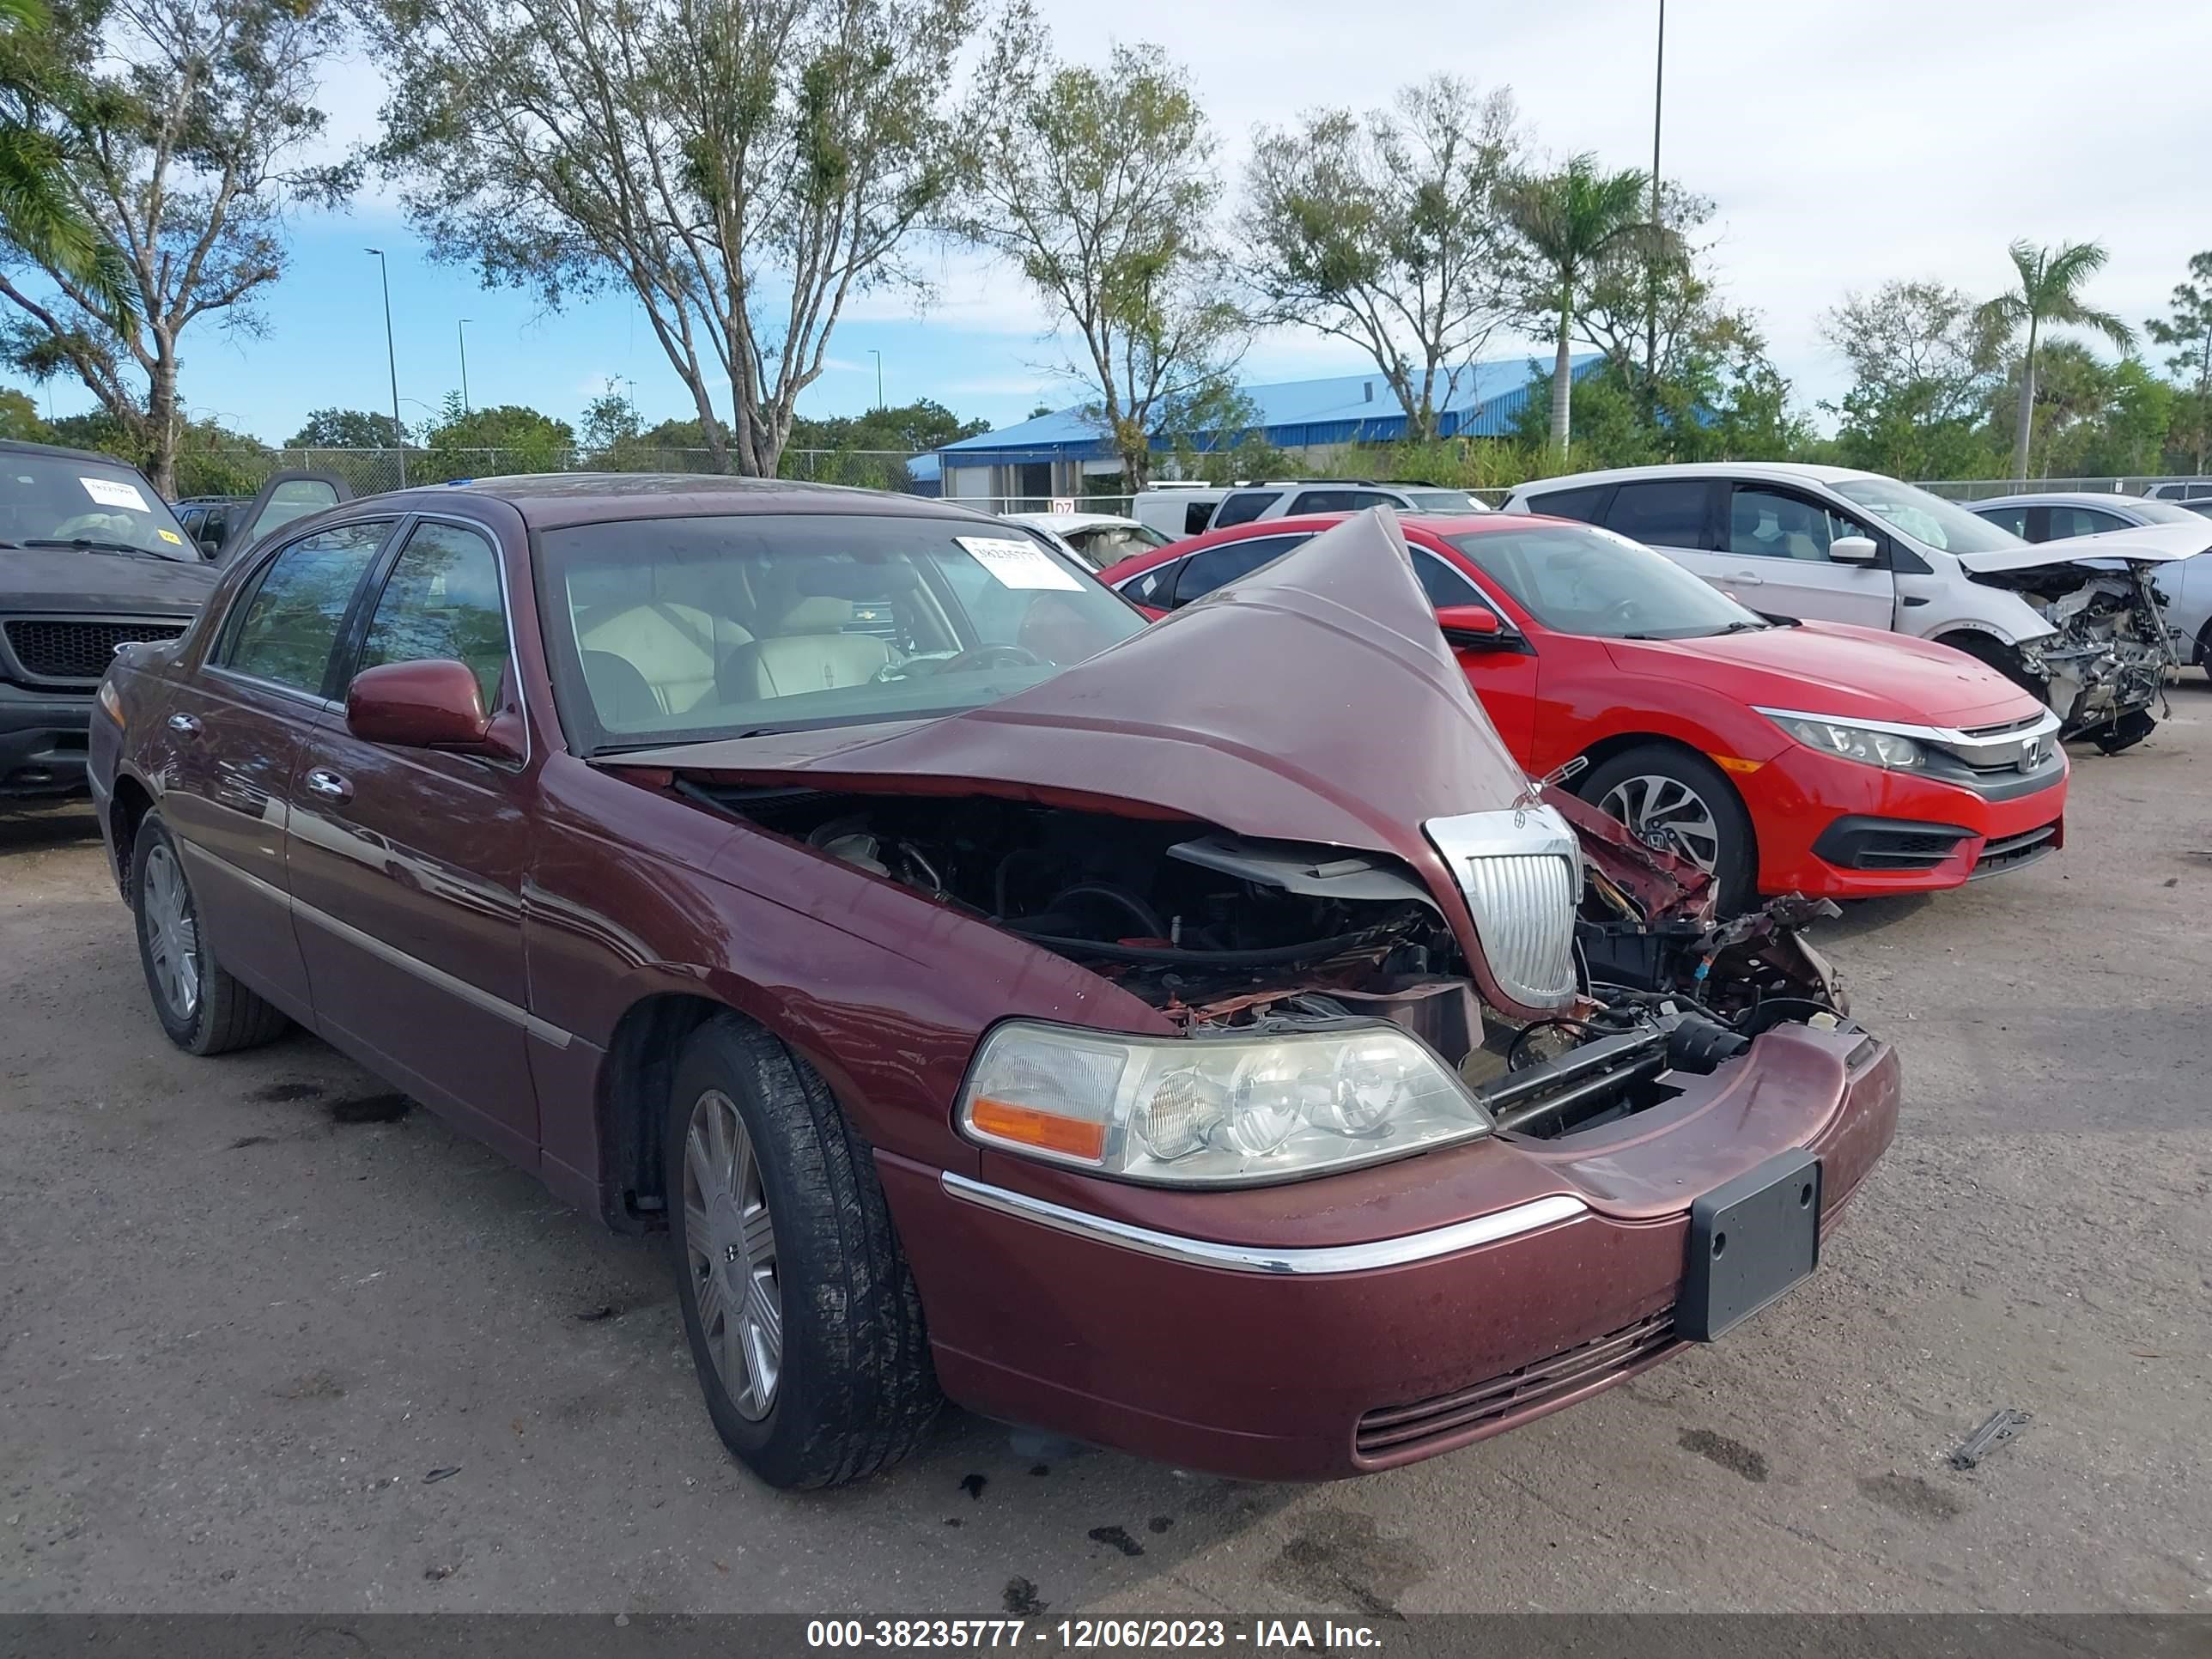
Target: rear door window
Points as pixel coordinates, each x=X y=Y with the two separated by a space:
x=1662 y=513
x=1244 y=506
x=2070 y=521
x=1585 y=504
x=286 y=628
x=1216 y=567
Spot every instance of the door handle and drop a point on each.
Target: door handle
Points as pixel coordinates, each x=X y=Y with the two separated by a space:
x=321 y=780
x=187 y=724
x=1747 y=579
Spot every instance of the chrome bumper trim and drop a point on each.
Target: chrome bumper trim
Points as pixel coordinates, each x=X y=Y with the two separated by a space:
x=1251 y=1258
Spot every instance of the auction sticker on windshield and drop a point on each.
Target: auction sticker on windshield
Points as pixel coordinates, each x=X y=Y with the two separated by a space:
x=113 y=492
x=1019 y=564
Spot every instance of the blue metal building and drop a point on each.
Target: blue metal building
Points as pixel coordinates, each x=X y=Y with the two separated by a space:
x=1051 y=456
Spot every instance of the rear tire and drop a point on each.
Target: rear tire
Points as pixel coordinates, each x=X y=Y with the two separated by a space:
x=805 y=1324
x=1682 y=803
x=201 y=1007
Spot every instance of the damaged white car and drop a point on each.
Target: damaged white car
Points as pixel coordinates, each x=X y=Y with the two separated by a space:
x=2078 y=624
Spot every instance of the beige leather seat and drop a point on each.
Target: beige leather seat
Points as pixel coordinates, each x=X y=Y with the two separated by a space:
x=676 y=648
x=785 y=665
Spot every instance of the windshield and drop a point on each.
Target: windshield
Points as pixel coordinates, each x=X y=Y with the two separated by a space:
x=1576 y=579
x=1445 y=501
x=105 y=504
x=1928 y=519
x=682 y=630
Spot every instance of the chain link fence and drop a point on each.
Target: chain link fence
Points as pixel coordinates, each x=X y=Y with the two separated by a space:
x=1983 y=489
x=242 y=471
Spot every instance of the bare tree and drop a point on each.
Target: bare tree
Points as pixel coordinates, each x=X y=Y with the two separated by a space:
x=1388 y=230
x=1098 y=185
x=183 y=127
x=743 y=167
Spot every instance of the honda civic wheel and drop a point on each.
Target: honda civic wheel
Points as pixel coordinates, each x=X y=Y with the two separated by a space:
x=1668 y=814
x=1678 y=802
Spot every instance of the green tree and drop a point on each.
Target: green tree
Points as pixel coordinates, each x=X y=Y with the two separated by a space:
x=611 y=427
x=497 y=439
x=40 y=217
x=2187 y=327
x=2050 y=292
x=19 y=417
x=1097 y=184
x=1571 y=220
x=1924 y=362
x=346 y=428
x=183 y=127
x=741 y=168
x=1388 y=232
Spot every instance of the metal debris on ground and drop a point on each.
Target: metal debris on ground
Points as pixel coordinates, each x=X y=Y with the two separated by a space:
x=436 y=1475
x=2002 y=1426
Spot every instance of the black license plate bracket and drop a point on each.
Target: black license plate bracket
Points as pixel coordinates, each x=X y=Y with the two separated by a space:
x=1751 y=1240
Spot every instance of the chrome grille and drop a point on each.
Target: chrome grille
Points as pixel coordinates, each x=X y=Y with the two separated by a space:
x=1521 y=871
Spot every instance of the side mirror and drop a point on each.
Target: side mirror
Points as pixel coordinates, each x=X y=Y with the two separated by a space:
x=210 y=543
x=1472 y=625
x=432 y=704
x=1854 y=549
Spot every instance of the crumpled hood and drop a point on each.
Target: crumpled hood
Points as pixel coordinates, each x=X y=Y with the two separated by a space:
x=1831 y=668
x=57 y=579
x=2144 y=545
x=1313 y=700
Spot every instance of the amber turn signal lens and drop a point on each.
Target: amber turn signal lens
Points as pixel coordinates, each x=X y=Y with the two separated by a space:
x=1070 y=1137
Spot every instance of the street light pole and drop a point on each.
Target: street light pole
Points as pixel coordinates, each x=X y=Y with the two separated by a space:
x=392 y=362
x=878 y=357
x=461 y=331
x=1651 y=259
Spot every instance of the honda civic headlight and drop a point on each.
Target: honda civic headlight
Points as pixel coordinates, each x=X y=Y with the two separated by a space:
x=1239 y=1110
x=1856 y=743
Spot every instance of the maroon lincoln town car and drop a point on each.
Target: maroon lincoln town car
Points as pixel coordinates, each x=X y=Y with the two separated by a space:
x=1197 y=1039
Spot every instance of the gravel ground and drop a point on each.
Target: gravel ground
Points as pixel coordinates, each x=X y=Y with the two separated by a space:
x=266 y=1346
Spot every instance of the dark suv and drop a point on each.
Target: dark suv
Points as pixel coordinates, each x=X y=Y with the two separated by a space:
x=91 y=557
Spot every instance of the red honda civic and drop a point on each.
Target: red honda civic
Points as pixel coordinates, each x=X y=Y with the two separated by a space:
x=1778 y=755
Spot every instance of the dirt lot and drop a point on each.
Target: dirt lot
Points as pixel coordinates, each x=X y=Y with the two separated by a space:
x=265 y=1344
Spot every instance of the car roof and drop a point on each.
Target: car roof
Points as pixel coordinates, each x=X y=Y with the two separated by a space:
x=1781 y=472
x=2056 y=498
x=1435 y=524
x=553 y=501
x=25 y=446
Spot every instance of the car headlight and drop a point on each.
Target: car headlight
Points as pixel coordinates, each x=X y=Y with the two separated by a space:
x=1857 y=743
x=1241 y=1111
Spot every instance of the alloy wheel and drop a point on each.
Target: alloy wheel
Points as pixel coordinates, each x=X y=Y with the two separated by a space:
x=173 y=935
x=1666 y=813
x=729 y=1243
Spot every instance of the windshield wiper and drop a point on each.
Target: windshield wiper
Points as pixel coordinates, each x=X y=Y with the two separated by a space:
x=91 y=545
x=1747 y=628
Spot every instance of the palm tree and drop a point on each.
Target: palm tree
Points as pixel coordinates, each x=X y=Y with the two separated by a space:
x=1571 y=220
x=2050 y=292
x=37 y=215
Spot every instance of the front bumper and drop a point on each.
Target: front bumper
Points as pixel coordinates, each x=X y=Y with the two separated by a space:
x=43 y=737
x=1837 y=829
x=1336 y=1327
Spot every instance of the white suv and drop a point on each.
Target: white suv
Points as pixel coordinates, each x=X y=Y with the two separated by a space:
x=1178 y=510
x=1837 y=545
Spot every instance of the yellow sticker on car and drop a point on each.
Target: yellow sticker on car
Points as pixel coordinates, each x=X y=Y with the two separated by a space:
x=171 y=536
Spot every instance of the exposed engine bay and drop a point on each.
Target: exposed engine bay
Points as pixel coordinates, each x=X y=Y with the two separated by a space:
x=1220 y=931
x=2112 y=657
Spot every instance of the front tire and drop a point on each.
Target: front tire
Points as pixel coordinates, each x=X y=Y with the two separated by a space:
x=201 y=1007
x=1682 y=804
x=805 y=1324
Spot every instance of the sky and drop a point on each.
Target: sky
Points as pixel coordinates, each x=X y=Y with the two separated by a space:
x=1846 y=141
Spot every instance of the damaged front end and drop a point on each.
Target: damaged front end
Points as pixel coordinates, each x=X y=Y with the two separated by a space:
x=1281 y=813
x=2107 y=666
